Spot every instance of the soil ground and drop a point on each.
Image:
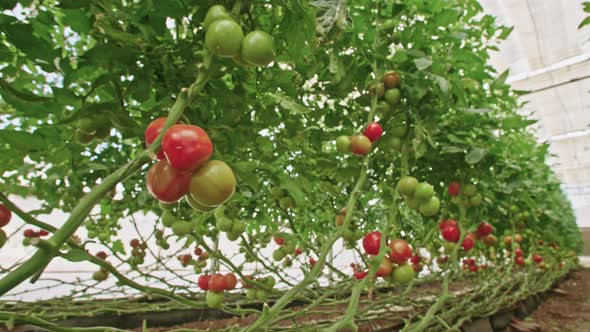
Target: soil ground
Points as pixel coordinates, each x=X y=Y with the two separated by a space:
x=566 y=309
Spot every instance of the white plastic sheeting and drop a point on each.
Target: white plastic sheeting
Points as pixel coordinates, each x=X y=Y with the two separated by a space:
x=548 y=56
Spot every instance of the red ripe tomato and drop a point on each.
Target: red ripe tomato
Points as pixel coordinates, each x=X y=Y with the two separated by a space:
x=519 y=260
x=43 y=232
x=186 y=147
x=468 y=242
x=441 y=260
x=101 y=255
x=373 y=131
x=297 y=252
x=245 y=283
x=198 y=251
x=484 y=229
x=217 y=283
x=5 y=215
x=134 y=243
x=152 y=131
x=473 y=268
x=279 y=240
x=454 y=188
x=400 y=251
x=518 y=252
x=204 y=282
x=451 y=233
x=312 y=261
x=385 y=268
x=415 y=259
x=360 y=275
x=417 y=267
x=166 y=183
x=231 y=280
x=29 y=233
x=448 y=222
x=371 y=243
x=537 y=258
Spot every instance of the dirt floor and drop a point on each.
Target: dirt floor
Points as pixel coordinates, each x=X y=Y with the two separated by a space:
x=566 y=309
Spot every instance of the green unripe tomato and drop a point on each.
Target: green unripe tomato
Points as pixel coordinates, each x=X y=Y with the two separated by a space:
x=424 y=191
x=348 y=235
x=287 y=262
x=251 y=294
x=224 y=38
x=476 y=200
x=286 y=203
x=278 y=254
x=181 y=228
x=168 y=219
x=430 y=208
x=91 y=234
x=403 y=274
x=82 y=137
x=164 y=245
x=3 y=238
x=261 y=295
x=103 y=236
x=449 y=246
x=289 y=248
x=277 y=192
x=384 y=107
x=166 y=206
x=399 y=131
x=270 y=281
x=197 y=269
x=224 y=224
x=239 y=227
x=232 y=236
x=407 y=185
x=392 y=96
x=469 y=190
x=358 y=234
x=158 y=234
x=99 y=276
x=215 y=13
x=87 y=125
x=413 y=203
x=396 y=37
x=258 y=48
x=103 y=132
x=395 y=143
x=213 y=299
x=343 y=144
x=26 y=242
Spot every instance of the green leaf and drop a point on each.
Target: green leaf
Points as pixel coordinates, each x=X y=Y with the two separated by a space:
x=287 y=103
x=443 y=84
x=294 y=189
x=451 y=149
x=75 y=255
x=423 y=63
x=475 y=155
x=22 y=140
x=118 y=247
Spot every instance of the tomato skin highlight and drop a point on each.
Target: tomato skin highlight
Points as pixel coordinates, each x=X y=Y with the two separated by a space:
x=152 y=131
x=400 y=251
x=186 y=147
x=372 y=242
x=373 y=131
x=454 y=189
x=5 y=215
x=167 y=184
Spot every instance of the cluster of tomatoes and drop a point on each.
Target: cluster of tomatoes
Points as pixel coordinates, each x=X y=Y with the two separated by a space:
x=91 y=128
x=215 y=285
x=394 y=267
x=184 y=169
x=102 y=274
x=286 y=248
x=138 y=252
x=255 y=293
x=5 y=216
x=285 y=202
x=199 y=264
x=467 y=195
x=225 y=39
x=419 y=195
x=232 y=227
